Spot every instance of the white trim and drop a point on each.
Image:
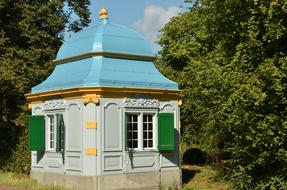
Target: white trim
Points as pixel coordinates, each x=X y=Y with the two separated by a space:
x=153 y=126
x=166 y=105
x=48 y=124
x=138 y=130
x=140 y=114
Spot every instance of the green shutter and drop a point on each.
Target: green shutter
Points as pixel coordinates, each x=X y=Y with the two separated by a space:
x=37 y=132
x=166 y=132
x=59 y=132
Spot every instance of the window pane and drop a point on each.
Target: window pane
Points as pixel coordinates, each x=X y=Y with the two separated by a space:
x=51 y=144
x=130 y=145
x=145 y=126
x=145 y=144
x=150 y=126
x=135 y=126
x=51 y=133
x=135 y=144
x=135 y=118
x=150 y=143
x=135 y=136
x=132 y=127
x=144 y=118
x=147 y=131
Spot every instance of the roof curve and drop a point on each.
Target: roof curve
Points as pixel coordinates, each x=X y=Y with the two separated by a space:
x=105 y=55
x=105 y=37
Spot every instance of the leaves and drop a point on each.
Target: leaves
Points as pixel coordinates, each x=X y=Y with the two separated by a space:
x=230 y=59
x=31 y=32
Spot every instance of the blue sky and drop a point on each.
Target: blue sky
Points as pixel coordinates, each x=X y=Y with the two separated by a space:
x=145 y=16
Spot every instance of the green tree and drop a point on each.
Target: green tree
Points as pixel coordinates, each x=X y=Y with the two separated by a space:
x=31 y=32
x=230 y=58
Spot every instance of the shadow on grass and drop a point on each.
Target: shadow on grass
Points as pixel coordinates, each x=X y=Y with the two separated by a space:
x=188 y=174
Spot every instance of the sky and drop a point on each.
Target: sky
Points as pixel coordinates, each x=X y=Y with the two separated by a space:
x=145 y=16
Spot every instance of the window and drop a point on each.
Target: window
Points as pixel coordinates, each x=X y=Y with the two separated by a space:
x=55 y=132
x=141 y=131
x=147 y=131
x=133 y=130
x=150 y=130
x=51 y=132
x=46 y=132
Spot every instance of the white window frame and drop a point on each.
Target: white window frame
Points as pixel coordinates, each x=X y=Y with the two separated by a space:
x=143 y=131
x=140 y=130
x=138 y=138
x=48 y=133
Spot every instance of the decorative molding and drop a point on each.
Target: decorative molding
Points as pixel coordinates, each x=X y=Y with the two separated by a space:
x=36 y=109
x=74 y=104
x=110 y=103
x=125 y=162
x=179 y=103
x=104 y=54
x=141 y=102
x=91 y=98
x=54 y=104
x=157 y=161
x=166 y=105
x=103 y=91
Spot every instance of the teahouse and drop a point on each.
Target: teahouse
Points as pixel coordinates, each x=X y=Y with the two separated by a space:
x=106 y=118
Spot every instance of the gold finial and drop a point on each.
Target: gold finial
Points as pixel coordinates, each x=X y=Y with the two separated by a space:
x=103 y=13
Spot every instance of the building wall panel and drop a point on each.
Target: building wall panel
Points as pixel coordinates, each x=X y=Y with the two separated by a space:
x=74 y=128
x=112 y=127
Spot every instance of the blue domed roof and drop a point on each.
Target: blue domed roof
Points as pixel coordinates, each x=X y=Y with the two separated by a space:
x=105 y=55
x=105 y=38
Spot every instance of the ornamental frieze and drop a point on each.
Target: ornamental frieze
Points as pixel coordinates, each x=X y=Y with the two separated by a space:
x=54 y=104
x=141 y=102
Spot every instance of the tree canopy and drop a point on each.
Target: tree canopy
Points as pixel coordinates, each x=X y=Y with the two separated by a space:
x=31 y=32
x=230 y=58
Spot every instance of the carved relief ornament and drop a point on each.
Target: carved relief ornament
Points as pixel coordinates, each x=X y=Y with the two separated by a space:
x=54 y=104
x=125 y=162
x=141 y=102
x=91 y=98
x=157 y=161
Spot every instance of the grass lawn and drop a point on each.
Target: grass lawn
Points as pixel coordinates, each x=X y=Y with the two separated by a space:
x=22 y=181
x=193 y=177
x=202 y=178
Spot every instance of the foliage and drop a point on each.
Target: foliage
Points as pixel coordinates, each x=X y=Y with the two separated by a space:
x=30 y=34
x=230 y=58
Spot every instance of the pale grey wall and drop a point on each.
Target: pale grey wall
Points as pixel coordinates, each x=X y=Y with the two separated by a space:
x=170 y=160
x=111 y=135
x=90 y=139
x=108 y=138
x=70 y=161
x=114 y=158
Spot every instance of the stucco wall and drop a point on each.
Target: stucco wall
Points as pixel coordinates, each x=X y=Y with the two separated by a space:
x=108 y=137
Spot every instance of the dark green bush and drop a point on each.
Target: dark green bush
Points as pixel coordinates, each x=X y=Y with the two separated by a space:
x=230 y=59
x=20 y=159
